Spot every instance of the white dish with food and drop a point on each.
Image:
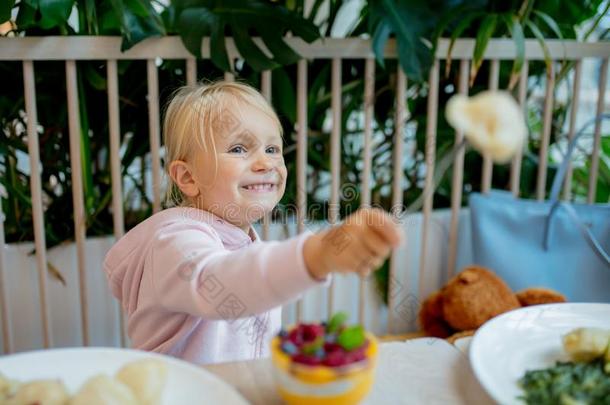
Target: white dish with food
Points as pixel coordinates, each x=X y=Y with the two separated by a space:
x=184 y=382
x=525 y=339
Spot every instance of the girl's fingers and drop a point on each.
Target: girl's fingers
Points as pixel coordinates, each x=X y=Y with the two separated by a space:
x=383 y=224
x=378 y=262
x=364 y=258
x=365 y=273
x=375 y=244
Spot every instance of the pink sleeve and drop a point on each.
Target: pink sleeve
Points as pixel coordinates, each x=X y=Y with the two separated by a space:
x=192 y=272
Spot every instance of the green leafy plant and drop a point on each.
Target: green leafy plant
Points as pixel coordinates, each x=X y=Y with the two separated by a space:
x=242 y=19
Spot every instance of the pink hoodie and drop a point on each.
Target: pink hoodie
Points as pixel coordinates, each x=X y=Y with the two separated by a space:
x=199 y=288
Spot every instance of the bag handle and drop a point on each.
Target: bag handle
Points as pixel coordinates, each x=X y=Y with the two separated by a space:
x=563 y=168
x=584 y=229
x=556 y=203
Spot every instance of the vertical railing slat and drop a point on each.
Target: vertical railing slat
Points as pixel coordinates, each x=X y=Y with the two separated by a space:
x=191 y=71
x=266 y=91
x=36 y=192
x=429 y=158
x=603 y=77
x=77 y=192
x=115 y=172
x=7 y=332
x=515 y=168
x=494 y=74
x=335 y=158
x=547 y=122
x=567 y=187
x=154 y=131
x=301 y=156
x=398 y=177
x=365 y=193
x=456 y=181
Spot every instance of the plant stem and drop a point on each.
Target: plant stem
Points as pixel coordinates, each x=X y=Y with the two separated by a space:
x=597 y=20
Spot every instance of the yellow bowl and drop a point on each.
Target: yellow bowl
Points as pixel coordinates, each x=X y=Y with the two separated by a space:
x=300 y=384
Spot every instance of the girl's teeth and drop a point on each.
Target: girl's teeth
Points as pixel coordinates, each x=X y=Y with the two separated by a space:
x=259 y=187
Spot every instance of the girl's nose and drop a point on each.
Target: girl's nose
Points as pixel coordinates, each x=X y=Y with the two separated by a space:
x=263 y=163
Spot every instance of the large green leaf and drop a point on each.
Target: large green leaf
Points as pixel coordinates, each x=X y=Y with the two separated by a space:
x=283 y=53
x=134 y=26
x=218 y=48
x=54 y=12
x=109 y=22
x=550 y=22
x=411 y=22
x=26 y=16
x=568 y=14
x=486 y=30
x=545 y=49
x=6 y=6
x=283 y=95
x=242 y=20
x=313 y=12
x=139 y=7
x=91 y=17
x=464 y=23
x=246 y=46
x=380 y=37
x=196 y=23
x=516 y=30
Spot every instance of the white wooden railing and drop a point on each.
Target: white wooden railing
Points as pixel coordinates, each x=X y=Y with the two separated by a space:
x=432 y=253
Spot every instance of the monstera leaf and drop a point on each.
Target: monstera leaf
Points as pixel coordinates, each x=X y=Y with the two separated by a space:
x=411 y=22
x=138 y=20
x=243 y=20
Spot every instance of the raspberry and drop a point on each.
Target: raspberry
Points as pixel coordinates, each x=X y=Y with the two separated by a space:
x=305 y=333
x=305 y=359
x=335 y=359
x=354 y=356
x=332 y=347
x=296 y=337
x=312 y=332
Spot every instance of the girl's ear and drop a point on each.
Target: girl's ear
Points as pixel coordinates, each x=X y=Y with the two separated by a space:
x=181 y=174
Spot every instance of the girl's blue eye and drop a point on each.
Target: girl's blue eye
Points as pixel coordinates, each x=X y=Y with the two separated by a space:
x=273 y=149
x=237 y=149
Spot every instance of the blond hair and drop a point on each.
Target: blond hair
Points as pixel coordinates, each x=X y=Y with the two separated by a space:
x=196 y=113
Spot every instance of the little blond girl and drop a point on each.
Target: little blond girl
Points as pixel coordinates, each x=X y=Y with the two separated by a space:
x=195 y=280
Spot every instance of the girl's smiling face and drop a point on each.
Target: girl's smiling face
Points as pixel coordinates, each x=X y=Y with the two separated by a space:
x=245 y=176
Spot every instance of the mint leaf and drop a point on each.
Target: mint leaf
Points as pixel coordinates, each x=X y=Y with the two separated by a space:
x=352 y=337
x=336 y=322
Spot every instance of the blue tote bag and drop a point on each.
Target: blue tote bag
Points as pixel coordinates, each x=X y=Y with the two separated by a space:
x=554 y=244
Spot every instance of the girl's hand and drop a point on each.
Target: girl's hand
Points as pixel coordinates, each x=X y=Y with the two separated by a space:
x=360 y=244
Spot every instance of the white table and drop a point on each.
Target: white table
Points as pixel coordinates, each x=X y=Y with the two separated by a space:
x=417 y=371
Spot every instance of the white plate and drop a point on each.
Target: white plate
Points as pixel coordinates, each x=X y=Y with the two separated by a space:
x=504 y=348
x=74 y=366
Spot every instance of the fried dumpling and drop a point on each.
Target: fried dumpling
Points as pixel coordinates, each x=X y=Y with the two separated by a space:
x=104 y=390
x=40 y=392
x=8 y=388
x=146 y=378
